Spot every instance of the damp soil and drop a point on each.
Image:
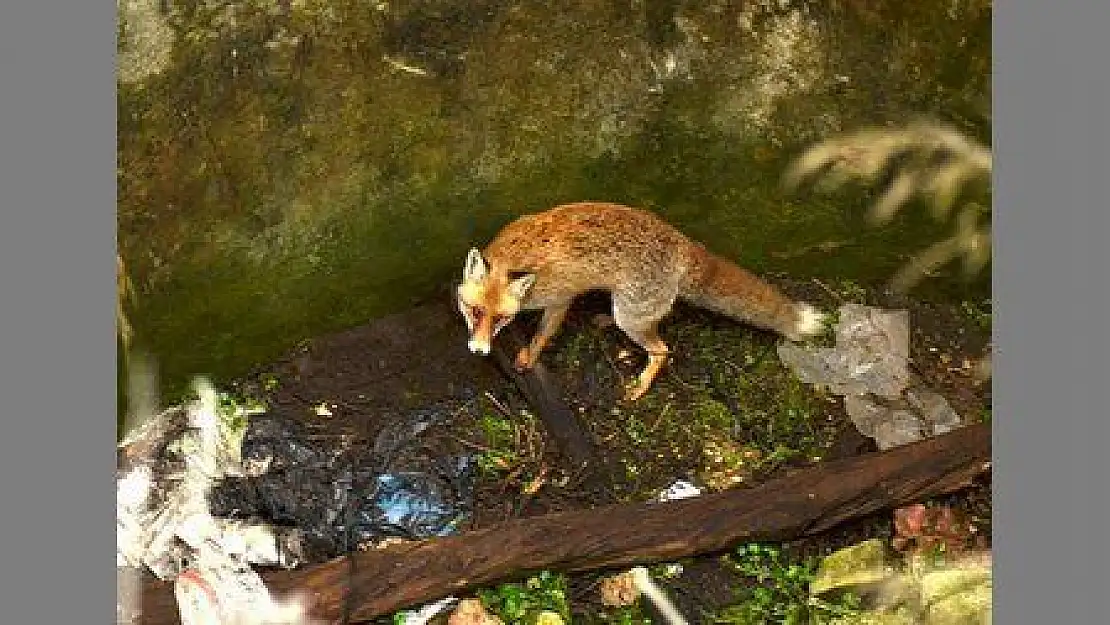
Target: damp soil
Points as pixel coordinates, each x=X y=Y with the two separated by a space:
x=724 y=413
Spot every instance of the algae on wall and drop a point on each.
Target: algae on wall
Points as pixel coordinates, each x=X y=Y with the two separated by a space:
x=291 y=168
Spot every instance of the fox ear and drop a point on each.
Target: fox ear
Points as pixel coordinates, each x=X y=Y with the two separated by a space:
x=519 y=288
x=475 y=267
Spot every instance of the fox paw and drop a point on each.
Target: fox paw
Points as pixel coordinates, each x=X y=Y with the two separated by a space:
x=525 y=360
x=635 y=391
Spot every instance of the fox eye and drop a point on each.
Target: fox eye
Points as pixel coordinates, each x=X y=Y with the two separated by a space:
x=477 y=312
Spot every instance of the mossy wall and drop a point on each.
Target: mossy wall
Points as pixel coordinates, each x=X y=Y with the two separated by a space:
x=291 y=168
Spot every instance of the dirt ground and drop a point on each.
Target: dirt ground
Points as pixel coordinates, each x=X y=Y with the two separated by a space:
x=725 y=413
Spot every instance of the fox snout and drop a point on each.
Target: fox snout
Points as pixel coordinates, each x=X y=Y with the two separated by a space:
x=482 y=330
x=478 y=346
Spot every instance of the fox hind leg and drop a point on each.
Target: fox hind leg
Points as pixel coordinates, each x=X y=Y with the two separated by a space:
x=550 y=323
x=639 y=319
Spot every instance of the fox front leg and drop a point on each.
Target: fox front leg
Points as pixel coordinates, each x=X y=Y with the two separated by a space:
x=552 y=319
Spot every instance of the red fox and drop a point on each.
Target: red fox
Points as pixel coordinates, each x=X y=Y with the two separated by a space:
x=544 y=260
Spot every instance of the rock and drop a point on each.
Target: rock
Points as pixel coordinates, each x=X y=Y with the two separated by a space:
x=863 y=564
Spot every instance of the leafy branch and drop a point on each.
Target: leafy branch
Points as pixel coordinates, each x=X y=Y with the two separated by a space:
x=924 y=158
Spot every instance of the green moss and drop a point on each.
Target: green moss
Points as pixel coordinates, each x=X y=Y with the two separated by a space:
x=524 y=602
x=279 y=180
x=777 y=590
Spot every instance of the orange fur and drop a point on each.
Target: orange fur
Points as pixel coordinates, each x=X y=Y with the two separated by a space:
x=543 y=261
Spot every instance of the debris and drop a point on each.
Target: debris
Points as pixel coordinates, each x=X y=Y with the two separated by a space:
x=857 y=566
x=658 y=598
x=221 y=590
x=625 y=588
x=426 y=613
x=471 y=612
x=803 y=503
x=681 y=489
x=926 y=591
x=888 y=425
x=960 y=593
x=619 y=590
x=342 y=496
x=934 y=409
x=871 y=354
x=165 y=525
x=209 y=488
x=870 y=367
x=922 y=530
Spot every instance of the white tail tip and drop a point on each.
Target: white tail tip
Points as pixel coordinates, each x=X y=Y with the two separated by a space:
x=810 y=321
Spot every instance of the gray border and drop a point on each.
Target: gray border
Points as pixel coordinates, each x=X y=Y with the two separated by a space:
x=1051 y=427
x=57 y=189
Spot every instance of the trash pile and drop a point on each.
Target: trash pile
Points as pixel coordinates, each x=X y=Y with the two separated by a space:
x=869 y=367
x=209 y=490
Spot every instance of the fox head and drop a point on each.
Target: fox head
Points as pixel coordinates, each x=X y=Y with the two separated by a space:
x=488 y=302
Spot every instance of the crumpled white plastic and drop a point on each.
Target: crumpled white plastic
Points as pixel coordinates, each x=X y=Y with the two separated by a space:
x=869 y=366
x=177 y=538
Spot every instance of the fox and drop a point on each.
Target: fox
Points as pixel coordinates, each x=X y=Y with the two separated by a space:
x=542 y=261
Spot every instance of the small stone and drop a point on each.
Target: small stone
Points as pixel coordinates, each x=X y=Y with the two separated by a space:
x=619 y=590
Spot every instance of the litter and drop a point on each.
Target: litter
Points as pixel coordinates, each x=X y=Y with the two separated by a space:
x=210 y=488
x=869 y=367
